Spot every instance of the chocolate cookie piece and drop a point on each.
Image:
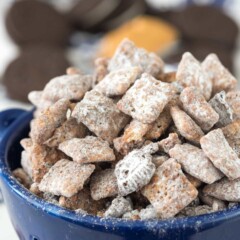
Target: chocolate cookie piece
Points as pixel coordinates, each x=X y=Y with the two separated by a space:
x=31 y=22
x=32 y=69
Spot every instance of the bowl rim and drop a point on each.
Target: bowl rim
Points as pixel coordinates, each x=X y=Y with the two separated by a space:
x=201 y=221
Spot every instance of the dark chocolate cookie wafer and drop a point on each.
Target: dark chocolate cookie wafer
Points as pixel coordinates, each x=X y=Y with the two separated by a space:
x=31 y=22
x=32 y=69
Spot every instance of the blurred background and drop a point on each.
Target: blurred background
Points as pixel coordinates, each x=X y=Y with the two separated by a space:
x=39 y=39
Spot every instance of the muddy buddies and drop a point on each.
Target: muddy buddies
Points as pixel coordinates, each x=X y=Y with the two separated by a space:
x=135 y=142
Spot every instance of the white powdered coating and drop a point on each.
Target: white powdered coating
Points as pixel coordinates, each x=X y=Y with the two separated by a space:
x=221 y=78
x=169 y=190
x=71 y=87
x=168 y=143
x=146 y=99
x=118 y=207
x=213 y=202
x=132 y=215
x=233 y=99
x=190 y=73
x=35 y=97
x=26 y=162
x=117 y=82
x=217 y=149
x=100 y=115
x=220 y=105
x=195 y=162
x=66 y=178
x=198 y=108
x=148 y=213
x=135 y=170
x=128 y=55
x=87 y=150
x=226 y=190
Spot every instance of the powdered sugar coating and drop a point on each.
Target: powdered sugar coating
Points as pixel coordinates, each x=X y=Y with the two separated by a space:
x=186 y=126
x=66 y=178
x=22 y=177
x=233 y=99
x=87 y=150
x=148 y=213
x=212 y=202
x=103 y=184
x=26 y=163
x=135 y=170
x=168 y=143
x=198 y=108
x=195 y=162
x=221 y=78
x=190 y=73
x=146 y=99
x=169 y=190
x=100 y=115
x=217 y=149
x=35 y=97
x=128 y=55
x=132 y=215
x=101 y=69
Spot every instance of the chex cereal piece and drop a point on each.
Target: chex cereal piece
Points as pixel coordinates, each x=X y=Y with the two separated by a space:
x=117 y=82
x=22 y=177
x=233 y=99
x=212 y=202
x=50 y=198
x=135 y=170
x=169 y=190
x=71 y=87
x=221 y=78
x=146 y=99
x=35 y=97
x=82 y=200
x=194 y=181
x=168 y=77
x=168 y=143
x=66 y=178
x=198 y=108
x=100 y=115
x=132 y=137
x=87 y=150
x=190 y=73
x=192 y=159
x=34 y=188
x=101 y=69
x=26 y=143
x=148 y=213
x=45 y=124
x=103 y=184
x=221 y=106
x=198 y=210
x=68 y=130
x=160 y=125
x=217 y=149
x=132 y=215
x=26 y=162
x=232 y=135
x=186 y=126
x=128 y=55
x=73 y=71
x=118 y=207
x=158 y=160
x=226 y=190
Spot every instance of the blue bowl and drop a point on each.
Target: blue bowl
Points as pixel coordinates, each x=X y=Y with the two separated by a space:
x=36 y=219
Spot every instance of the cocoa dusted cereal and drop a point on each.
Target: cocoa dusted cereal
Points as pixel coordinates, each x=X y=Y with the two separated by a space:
x=132 y=141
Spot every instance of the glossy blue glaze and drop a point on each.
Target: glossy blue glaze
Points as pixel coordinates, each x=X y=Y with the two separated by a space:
x=38 y=220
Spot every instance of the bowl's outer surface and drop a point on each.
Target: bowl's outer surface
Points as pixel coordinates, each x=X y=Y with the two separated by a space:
x=36 y=219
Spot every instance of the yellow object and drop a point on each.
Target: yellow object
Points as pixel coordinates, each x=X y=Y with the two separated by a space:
x=147 y=32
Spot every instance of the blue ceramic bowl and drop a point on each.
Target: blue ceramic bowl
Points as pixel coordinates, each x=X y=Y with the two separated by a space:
x=35 y=219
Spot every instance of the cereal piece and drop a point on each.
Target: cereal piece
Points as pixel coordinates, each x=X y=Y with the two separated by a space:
x=35 y=97
x=87 y=150
x=117 y=82
x=190 y=73
x=73 y=71
x=34 y=188
x=186 y=126
x=82 y=200
x=128 y=55
x=169 y=190
x=168 y=143
x=198 y=108
x=68 y=130
x=103 y=184
x=169 y=77
x=212 y=202
x=226 y=190
x=118 y=207
x=132 y=215
x=232 y=135
x=148 y=213
x=71 y=87
x=26 y=163
x=217 y=149
x=158 y=160
x=26 y=143
x=199 y=210
x=22 y=177
x=50 y=198
x=220 y=105
x=135 y=170
x=194 y=181
x=45 y=124
x=101 y=69
x=160 y=125
x=66 y=178
x=146 y=99
x=100 y=115
x=221 y=78
x=132 y=137
x=233 y=99
x=192 y=159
